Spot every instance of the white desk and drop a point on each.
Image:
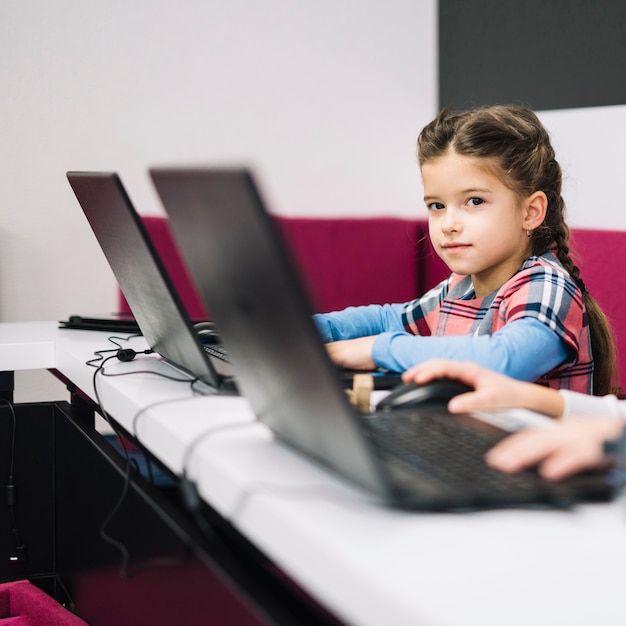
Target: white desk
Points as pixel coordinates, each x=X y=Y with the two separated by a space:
x=27 y=345
x=368 y=564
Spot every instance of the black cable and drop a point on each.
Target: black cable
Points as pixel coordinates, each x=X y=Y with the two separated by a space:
x=188 y=488
x=160 y=374
x=112 y=339
x=19 y=554
x=12 y=455
x=100 y=369
x=102 y=531
x=208 y=433
x=141 y=411
x=193 y=501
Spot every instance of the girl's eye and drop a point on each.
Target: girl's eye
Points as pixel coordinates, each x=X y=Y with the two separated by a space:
x=436 y=206
x=475 y=201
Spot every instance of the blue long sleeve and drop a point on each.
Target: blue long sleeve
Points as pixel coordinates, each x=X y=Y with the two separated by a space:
x=361 y=321
x=525 y=349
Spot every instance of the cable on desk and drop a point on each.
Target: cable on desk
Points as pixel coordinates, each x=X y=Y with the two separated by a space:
x=100 y=369
x=188 y=487
x=209 y=433
x=192 y=497
x=191 y=381
x=99 y=354
x=193 y=501
x=188 y=490
x=143 y=410
x=125 y=355
x=135 y=431
x=102 y=531
x=161 y=562
x=155 y=373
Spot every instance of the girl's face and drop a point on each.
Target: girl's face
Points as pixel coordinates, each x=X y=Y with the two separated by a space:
x=476 y=223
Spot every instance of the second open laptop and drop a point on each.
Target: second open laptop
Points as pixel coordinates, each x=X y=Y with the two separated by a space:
x=143 y=279
x=419 y=458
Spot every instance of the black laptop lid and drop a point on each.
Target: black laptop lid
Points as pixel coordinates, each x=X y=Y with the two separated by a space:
x=142 y=276
x=249 y=283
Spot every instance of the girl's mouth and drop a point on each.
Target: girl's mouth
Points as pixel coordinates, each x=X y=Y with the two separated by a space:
x=455 y=247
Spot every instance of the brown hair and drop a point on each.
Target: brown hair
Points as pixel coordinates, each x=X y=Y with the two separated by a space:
x=513 y=138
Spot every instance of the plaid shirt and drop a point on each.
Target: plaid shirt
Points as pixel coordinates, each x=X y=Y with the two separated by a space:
x=541 y=289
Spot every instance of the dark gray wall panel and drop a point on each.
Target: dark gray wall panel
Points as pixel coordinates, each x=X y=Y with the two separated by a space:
x=546 y=54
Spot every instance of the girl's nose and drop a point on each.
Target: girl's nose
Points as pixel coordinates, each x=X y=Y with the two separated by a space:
x=450 y=222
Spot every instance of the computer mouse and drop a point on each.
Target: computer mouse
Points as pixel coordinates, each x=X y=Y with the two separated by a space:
x=412 y=395
x=207 y=333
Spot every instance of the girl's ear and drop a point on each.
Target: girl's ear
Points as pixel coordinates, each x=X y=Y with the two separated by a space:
x=535 y=209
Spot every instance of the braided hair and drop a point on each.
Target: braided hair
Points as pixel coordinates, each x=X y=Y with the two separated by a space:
x=517 y=148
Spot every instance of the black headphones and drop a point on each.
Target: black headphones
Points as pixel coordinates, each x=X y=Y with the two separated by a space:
x=128 y=354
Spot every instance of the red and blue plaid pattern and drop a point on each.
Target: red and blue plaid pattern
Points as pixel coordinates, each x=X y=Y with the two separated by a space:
x=541 y=289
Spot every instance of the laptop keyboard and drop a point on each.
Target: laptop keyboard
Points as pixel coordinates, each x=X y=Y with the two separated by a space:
x=430 y=450
x=216 y=350
x=431 y=443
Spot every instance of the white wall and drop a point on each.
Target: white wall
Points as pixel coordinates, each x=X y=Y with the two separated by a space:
x=589 y=146
x=325 y=98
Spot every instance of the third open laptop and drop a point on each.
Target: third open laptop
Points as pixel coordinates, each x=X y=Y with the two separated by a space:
x=418 y=458
x=144 y=281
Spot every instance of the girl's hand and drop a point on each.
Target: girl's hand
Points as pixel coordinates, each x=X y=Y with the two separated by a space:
x=353 y=354
x=560 y=451
x=491 y=390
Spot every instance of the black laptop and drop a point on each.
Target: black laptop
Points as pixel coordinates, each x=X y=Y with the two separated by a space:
x=144 y=281
x=418 y=458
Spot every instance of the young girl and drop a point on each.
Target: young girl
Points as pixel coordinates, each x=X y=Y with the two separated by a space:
x=514 y=302
x=577 y=441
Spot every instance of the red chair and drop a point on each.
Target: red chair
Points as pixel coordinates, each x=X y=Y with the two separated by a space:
x=23 y=604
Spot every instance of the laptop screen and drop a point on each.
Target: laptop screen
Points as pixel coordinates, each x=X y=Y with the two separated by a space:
x=241 y=266
x=142 y=276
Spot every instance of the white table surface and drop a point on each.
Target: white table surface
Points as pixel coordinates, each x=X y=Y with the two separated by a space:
x=369 y=564
x=27 y=345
